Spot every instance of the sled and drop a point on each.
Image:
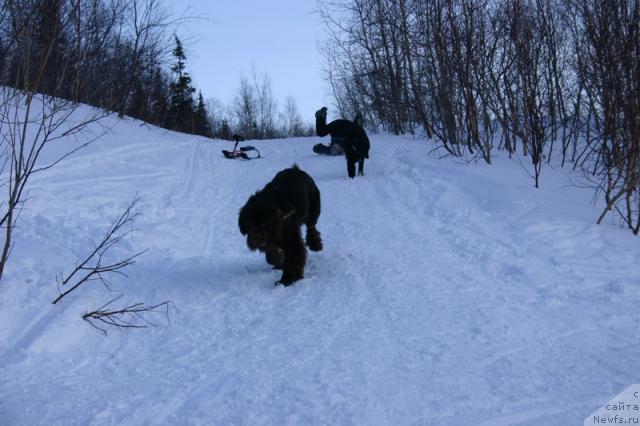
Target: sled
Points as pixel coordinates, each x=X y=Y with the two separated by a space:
x=244 y=152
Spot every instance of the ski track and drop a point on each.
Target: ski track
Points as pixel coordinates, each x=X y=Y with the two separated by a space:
x=443 y=296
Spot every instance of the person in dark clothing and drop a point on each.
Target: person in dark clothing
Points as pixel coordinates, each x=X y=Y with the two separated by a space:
x=347 y=137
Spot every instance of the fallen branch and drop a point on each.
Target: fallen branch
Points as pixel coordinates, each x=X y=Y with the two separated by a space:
x=92 y=267
x=131 y=316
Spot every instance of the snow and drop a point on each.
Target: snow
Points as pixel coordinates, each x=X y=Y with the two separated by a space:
x=447 y=293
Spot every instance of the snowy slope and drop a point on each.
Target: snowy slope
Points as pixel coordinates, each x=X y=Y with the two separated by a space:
x=446 y=294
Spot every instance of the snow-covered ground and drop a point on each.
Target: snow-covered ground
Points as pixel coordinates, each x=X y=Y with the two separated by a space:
x=446 y=294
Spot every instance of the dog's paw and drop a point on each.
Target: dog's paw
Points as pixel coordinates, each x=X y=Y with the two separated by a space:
x=315 y=247
x=313 y=240
x=288 y=280
x=275 y=258
x=314 y=244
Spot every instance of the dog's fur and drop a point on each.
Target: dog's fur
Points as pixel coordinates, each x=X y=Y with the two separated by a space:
x=356 y=141
x=356 y=149
x=271 y=219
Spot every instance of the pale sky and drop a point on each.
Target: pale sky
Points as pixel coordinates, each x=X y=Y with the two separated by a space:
x=278 y=37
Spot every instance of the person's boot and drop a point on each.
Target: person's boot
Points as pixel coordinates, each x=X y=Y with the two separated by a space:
x=321 y=113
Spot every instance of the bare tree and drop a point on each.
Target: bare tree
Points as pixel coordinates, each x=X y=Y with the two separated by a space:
x=94 y=267
x=266 y=106
x=148 y=22
x=29 y=123
x=608 y=59
x=245 y=109
x=106 y=53
x=291 y=118
x=216 y=115
x=528 y=74
x=462 y=68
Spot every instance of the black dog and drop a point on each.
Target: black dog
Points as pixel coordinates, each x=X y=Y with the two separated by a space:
x=356 y=149
x=349 y=135
x=271 y=219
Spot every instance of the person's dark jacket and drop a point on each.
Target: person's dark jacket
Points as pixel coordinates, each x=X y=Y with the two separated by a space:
x=346 y=133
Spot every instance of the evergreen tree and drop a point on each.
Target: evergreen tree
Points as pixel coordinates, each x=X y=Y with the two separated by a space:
x=158 y=104
x=180 y=115
x=201 y=125
x=138 y=105
x=225 y=130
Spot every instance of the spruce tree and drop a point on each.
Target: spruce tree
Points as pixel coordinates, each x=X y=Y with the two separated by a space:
x=180 y=115
x=201 y=125
x=158 y=105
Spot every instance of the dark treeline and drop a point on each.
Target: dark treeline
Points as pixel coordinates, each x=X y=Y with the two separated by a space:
x=556 y=80
x=103 y=53
x=123 y=56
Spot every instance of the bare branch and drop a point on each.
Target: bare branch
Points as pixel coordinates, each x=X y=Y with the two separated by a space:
x=92 y=268
x=132 y=316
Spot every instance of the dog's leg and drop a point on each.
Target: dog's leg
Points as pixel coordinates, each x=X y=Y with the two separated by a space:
x=295 y=255
x=313 y=238
x=351 y=168
x=361 y=167
x=275 y=258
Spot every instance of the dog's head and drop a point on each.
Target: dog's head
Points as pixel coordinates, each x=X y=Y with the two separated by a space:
x=261 y=221
x=357 y=144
